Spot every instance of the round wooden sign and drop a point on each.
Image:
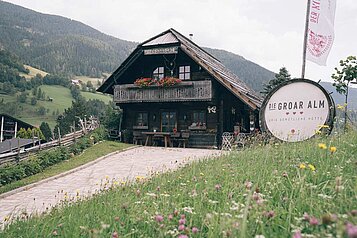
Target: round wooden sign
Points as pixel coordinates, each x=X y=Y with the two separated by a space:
x=296 y=110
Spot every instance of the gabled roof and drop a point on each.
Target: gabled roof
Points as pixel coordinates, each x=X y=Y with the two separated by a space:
x=212 y=65
x=14 y=143
x=25 y=124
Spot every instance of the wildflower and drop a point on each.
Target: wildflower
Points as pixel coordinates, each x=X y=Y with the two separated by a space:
x=351 y=230
x=182 y=221
x=181 y=227
x=322 y=146
x=188 y=210
x=256 y=196
x=340 y=107
x=269 y=214
x=195 y=230
x=333 y=149
x=313 y=221
x=116 y=218
x=218 y=187
x=54 y=233
x=170 y=217
x=302 y=166
x=285 y=174
x=312 y=167
x=297 y=234
x=306 y=216
x=159 y=218
x=139 y=178
x=115 y=235
x=182 y=236
x=248 y=185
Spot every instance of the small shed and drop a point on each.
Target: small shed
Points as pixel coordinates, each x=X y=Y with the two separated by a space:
x=10 y=126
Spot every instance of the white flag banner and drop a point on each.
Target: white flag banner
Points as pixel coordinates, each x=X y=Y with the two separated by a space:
x=321 y=30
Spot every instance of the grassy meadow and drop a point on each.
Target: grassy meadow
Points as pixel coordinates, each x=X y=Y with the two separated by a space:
x=306 y=189
x=62 y=99
x=33 y=72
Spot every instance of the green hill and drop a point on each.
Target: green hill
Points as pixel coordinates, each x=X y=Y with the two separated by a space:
x=59 y=45
x=63 y=46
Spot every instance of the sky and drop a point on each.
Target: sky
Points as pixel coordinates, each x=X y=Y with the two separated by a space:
x=267 y=32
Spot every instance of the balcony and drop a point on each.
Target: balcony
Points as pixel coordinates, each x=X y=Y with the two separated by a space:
x=184 y=91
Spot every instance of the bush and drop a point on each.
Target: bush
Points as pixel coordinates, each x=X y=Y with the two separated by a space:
x=44 y=159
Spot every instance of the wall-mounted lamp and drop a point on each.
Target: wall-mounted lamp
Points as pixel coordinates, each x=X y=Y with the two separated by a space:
x=185 y=117
x=153 y=117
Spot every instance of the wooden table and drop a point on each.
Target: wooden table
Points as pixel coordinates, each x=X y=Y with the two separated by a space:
x=151 y=134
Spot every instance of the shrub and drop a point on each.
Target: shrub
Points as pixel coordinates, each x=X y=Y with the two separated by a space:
x=44 y=159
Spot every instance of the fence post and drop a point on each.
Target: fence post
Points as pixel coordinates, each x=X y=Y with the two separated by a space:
x=59 y=136
x=39 y=140
x=74 y=131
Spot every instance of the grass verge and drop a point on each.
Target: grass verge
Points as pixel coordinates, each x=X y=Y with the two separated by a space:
x=278 y=190
x=88 y=155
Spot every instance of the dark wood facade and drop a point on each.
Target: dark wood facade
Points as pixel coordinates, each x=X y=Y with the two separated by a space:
x=207 y=102
x=9 y=126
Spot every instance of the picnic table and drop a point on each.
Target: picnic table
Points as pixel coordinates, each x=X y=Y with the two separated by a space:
x=150 y=135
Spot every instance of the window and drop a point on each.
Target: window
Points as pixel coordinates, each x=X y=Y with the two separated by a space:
x=168 y=121
x=199 y=117
x=198 y=120
x=158 y=73
x=185 y=72
x=141 y=120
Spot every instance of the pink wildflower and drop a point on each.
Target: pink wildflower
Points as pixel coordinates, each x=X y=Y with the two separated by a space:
x=170 y=217
x=297 y=234
x=181 y=227
x=269 y=214
x=115 y=235
x=306 y=216
x=248 y=185
x=351 y=230
x=218 y=187
x=194 y=230
x=182 y=221
x=183 y=216
x=313 y=221
x=159 y=218
x=182 y=236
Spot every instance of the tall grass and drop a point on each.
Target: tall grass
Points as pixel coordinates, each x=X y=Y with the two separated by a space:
x=278 y=190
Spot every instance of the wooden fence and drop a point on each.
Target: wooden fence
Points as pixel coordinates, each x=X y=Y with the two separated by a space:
x=66 y=140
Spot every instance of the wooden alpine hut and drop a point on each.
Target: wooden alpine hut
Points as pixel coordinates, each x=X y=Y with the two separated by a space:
x=170 y=87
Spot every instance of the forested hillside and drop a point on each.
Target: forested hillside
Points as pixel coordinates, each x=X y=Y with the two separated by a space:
x=62 y=46
x=10 y=67
x=59 y=45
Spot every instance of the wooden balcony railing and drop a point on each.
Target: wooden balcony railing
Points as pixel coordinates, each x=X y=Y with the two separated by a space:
x=184 y=91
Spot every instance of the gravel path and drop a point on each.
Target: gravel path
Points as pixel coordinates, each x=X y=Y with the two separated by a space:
x=121 y=166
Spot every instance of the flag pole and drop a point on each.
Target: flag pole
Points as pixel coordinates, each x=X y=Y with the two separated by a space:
x=305 y=39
